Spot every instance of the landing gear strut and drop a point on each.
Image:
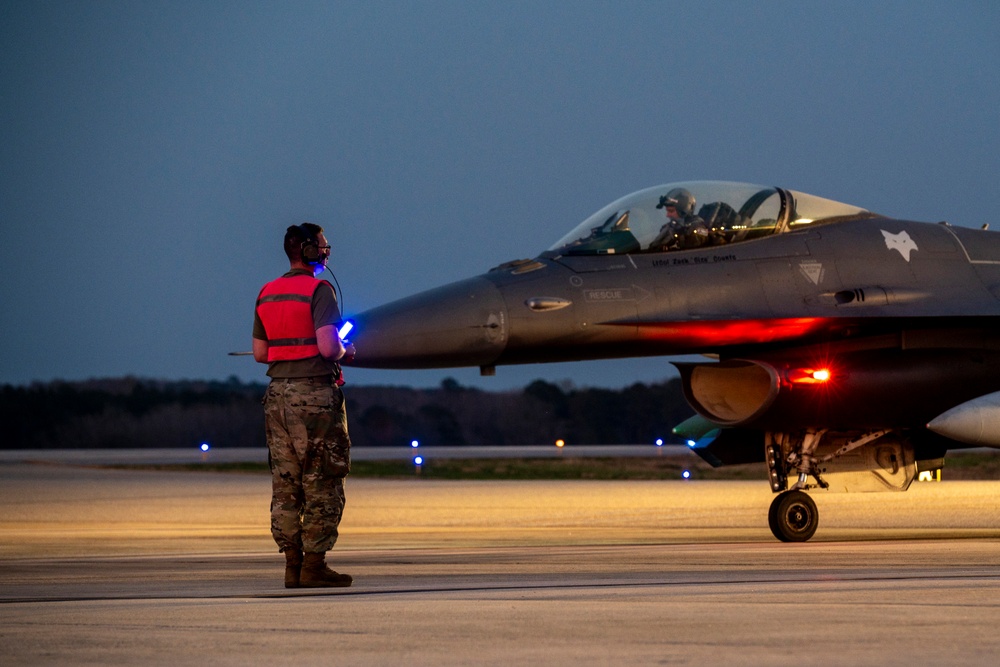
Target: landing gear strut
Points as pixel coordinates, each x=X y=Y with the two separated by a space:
x=793 y=516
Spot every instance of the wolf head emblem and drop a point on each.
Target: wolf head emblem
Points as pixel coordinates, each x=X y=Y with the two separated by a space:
x=901 y=242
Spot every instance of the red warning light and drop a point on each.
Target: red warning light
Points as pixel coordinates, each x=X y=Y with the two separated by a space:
x=809 y=375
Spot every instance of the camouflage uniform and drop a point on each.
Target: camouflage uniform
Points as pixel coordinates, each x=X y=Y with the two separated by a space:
x=309 y=455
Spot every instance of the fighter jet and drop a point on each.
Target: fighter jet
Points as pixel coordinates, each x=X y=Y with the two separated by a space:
x=848 y=350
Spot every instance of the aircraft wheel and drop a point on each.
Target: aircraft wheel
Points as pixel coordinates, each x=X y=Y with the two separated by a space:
x=793 y=516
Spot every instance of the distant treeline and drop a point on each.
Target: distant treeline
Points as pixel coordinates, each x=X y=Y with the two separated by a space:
x=132 y=413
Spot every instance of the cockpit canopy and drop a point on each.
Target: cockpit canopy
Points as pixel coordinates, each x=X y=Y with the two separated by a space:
x=721 y=213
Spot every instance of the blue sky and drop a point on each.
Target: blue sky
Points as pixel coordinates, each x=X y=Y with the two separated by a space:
x=152 y=153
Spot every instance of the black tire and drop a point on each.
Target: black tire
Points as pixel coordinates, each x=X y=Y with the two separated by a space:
x=793 y=516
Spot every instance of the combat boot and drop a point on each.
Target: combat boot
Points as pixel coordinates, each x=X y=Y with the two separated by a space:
x=293 y=564
x=315 y=573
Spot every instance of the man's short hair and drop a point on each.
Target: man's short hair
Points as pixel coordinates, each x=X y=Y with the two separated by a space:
x=296 y=235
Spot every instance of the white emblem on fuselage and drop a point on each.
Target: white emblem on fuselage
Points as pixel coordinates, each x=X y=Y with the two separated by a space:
x=901 y=242
x=813 y=271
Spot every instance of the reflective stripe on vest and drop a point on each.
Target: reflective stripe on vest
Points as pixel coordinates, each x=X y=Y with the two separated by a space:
x=285 y=309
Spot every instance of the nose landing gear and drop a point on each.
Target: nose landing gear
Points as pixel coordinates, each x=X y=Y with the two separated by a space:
x=793 y=516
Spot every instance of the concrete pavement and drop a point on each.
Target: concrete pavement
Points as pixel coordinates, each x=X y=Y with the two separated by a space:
x=126 y=567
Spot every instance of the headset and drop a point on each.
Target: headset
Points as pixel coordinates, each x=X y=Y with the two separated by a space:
x=310 y=247
x=311 y=254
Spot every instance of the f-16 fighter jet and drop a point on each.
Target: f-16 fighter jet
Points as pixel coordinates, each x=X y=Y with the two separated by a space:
x=848 y=350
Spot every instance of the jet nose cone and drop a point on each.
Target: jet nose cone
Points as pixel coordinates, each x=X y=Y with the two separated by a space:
x=461 y=324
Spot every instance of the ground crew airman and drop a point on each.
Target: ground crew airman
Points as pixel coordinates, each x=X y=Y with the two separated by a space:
x=295 y=334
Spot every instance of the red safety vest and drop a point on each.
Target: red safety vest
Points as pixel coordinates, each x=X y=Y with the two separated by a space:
x=285 y=308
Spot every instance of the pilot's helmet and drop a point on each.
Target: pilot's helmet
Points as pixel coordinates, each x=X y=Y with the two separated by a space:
x=679 y=198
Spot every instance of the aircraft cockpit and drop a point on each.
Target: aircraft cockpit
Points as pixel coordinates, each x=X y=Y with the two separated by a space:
x=693 y=214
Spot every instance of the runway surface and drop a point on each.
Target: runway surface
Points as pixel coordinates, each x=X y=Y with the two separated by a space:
x=128 y=567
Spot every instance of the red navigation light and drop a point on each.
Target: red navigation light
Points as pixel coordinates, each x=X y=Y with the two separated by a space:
x=809 y=375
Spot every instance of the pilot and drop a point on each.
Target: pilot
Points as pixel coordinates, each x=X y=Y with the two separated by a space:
x=684 y=230
x=295 y=334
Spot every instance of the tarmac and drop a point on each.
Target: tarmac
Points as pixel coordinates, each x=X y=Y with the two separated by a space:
x=115 y=567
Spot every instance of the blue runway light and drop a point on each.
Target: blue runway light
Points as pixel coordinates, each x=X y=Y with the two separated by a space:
x=686 y=474
x=414 y=443
x=205 y=447
x=418 y=460
x=659 y=442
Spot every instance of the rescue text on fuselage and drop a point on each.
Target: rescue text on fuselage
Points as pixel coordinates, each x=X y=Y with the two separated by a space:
x=852 y=349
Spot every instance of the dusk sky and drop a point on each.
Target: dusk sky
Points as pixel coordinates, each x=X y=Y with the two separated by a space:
x=153 y=153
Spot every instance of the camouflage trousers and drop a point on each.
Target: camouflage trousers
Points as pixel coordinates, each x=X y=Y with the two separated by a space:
x=309 y=452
